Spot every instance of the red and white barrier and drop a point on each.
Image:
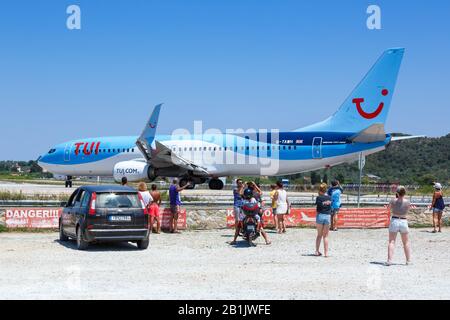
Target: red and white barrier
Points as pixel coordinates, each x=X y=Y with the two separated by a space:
x=347 y=217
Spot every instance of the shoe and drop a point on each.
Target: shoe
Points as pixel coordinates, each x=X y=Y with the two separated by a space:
x=408 y=263
x=387 y=263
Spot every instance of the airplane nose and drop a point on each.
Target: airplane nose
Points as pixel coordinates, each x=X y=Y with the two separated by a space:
x=41 y=161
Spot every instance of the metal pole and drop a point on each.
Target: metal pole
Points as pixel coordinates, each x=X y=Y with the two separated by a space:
x=360 y=178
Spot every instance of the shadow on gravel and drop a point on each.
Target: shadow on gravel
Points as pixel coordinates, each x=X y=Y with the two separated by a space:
x=380 y=263
x=99 y=247
x=311 y=255
x=240 y=244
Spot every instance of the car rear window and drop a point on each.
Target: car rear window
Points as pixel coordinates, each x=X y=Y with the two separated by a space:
x=117 y=200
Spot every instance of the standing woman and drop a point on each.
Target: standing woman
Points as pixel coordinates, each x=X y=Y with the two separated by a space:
x=146 y=197
x=282 y=206
x=437 y=206
x=273 y=191
x=399 y=209
x=154 y=208
x=323 y=219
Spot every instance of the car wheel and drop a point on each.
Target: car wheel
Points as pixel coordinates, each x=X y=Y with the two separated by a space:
x=62 y=235
x=81 y=243
x=143 y=244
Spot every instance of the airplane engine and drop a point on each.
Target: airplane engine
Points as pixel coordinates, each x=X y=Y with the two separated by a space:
x=134 y=171
x=59 y=177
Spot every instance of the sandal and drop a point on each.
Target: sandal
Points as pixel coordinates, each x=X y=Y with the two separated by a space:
x=318 y=254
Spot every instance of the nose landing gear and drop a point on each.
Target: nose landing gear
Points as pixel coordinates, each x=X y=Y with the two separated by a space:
x=68 y=183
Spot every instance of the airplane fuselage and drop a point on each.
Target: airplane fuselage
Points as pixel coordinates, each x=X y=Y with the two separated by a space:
x=221 y=155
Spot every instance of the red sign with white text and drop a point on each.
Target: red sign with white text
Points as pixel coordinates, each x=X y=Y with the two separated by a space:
x=39 y=218
x=48 y=218
x=347 y=217
x=165 y=214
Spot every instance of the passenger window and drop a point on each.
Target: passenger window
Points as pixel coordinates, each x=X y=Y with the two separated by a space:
x=85 y=200
x=78 y=198
x=72 y=198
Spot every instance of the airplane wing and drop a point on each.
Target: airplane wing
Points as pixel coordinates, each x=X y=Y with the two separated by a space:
x=406 y=137
x=372 y=133
x=160 y=156
x=163 y=157
x=376 y=133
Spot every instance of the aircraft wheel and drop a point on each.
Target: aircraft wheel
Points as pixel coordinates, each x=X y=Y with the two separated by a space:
x=216 y=184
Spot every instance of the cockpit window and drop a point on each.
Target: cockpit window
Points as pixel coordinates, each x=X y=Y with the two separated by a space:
x=51 y=151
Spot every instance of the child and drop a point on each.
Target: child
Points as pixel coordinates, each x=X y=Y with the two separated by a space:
x=335 y=193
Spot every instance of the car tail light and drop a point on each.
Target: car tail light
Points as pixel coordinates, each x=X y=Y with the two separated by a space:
x=92 y=204
x=142 y=203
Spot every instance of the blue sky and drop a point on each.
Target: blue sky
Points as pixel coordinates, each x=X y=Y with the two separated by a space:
x=230 y=63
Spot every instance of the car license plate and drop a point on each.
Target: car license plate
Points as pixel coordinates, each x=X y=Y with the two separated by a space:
x=251 y=228
x=120 y=218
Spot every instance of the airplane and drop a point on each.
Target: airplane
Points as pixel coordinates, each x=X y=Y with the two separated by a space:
x=356 y=129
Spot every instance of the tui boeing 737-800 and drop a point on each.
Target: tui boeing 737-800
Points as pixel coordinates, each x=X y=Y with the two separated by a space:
x=356 y=128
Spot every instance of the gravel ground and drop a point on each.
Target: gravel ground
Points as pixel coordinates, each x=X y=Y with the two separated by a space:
x=201 y=265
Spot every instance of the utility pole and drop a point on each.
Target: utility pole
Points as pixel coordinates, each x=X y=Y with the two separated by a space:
x=361 y=163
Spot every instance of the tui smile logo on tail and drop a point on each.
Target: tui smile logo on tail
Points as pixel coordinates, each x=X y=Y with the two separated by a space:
x=152 y=125
x=371 y=115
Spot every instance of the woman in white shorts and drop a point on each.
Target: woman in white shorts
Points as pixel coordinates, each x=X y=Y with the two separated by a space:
x=399 y=209
x=282 y=201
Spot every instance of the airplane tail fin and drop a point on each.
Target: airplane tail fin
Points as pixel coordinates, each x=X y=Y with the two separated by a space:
x=369 y=102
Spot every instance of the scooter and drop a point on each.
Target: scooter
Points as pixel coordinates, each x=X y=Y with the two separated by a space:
x=250 y=230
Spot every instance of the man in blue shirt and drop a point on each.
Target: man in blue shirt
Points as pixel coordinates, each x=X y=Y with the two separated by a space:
x=175 y=203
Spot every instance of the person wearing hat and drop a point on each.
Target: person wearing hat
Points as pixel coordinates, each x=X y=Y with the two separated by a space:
x=249 y=201
x=437 y=206
x=399 y=208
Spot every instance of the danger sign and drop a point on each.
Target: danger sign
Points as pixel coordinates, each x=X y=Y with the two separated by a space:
x=347 y=218
x=166 y=214
x=39 y=218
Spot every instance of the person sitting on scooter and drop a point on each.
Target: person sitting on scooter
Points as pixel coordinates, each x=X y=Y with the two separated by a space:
x=249 y=202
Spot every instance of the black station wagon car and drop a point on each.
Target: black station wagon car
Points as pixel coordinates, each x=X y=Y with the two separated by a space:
x=105 y=213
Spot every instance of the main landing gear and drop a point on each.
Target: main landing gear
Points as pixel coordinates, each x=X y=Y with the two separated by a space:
x=215 y=184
